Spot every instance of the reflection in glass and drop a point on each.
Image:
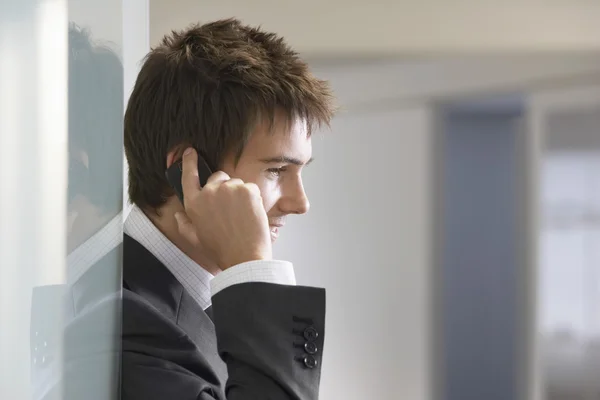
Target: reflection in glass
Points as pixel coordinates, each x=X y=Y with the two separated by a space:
x=88 y=302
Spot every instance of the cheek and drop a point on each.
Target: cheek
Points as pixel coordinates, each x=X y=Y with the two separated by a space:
x=270 y=193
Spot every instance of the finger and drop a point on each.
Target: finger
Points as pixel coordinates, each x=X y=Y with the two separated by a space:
x=234 y=182
x=217 y=178
x=189 y=173
x=253 y=188
x=186 y=228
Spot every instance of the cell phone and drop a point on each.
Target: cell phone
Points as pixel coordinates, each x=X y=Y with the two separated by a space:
x=175 y=171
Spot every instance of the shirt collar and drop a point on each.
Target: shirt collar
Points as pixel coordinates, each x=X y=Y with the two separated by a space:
x=194 y=278
x=94 y=249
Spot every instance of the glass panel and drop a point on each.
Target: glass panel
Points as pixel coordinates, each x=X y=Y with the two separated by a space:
x=61 y=157
x=90 y=298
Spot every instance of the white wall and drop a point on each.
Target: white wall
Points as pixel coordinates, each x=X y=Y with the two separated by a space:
x=367 y=239
x=393 y=83
x=388 y=27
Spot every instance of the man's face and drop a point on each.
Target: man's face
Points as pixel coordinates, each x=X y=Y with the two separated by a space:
x=274 y=162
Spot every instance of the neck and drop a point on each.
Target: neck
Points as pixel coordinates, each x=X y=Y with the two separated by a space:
x=165 y=221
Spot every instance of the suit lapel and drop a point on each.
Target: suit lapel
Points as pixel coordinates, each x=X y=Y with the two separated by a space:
x=199 y=326
x=145 y=275
x=209 y=312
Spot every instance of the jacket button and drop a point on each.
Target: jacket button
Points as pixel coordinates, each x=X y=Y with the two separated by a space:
x=310 y=362
x=311 y=334
x=310 y=348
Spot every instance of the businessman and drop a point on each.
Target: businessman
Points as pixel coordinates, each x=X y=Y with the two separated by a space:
x=207 y=312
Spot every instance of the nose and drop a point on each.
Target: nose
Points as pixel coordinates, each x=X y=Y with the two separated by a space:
x=295 y=201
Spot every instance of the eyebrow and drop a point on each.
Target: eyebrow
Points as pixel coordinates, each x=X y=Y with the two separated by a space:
x=286 y=160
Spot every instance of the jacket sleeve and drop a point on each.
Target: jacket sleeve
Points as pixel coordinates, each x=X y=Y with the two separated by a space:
x=270 y=337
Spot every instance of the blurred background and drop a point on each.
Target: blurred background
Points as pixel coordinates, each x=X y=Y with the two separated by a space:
x=455 y=217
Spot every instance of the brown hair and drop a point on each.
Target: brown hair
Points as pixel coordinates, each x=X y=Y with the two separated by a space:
x=209 y=86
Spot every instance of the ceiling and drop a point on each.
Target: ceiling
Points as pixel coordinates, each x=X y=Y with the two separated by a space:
x=380 y=28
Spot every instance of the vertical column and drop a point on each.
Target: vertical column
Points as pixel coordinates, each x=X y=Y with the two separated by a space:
x=33 y=174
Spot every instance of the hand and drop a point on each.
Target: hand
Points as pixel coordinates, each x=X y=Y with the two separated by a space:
x=226 y=217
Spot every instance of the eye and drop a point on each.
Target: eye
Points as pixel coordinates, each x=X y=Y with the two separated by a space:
x=276 y=172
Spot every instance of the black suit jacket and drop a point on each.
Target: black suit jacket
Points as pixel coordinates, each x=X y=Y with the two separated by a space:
x=264 y=341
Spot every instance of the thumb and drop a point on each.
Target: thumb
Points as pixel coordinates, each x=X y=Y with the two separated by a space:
x=186 y=227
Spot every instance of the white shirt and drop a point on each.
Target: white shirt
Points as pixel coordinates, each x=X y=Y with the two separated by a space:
x=198 y=282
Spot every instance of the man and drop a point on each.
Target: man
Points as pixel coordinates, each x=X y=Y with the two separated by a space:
x=88 y=305
x=207 y=312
